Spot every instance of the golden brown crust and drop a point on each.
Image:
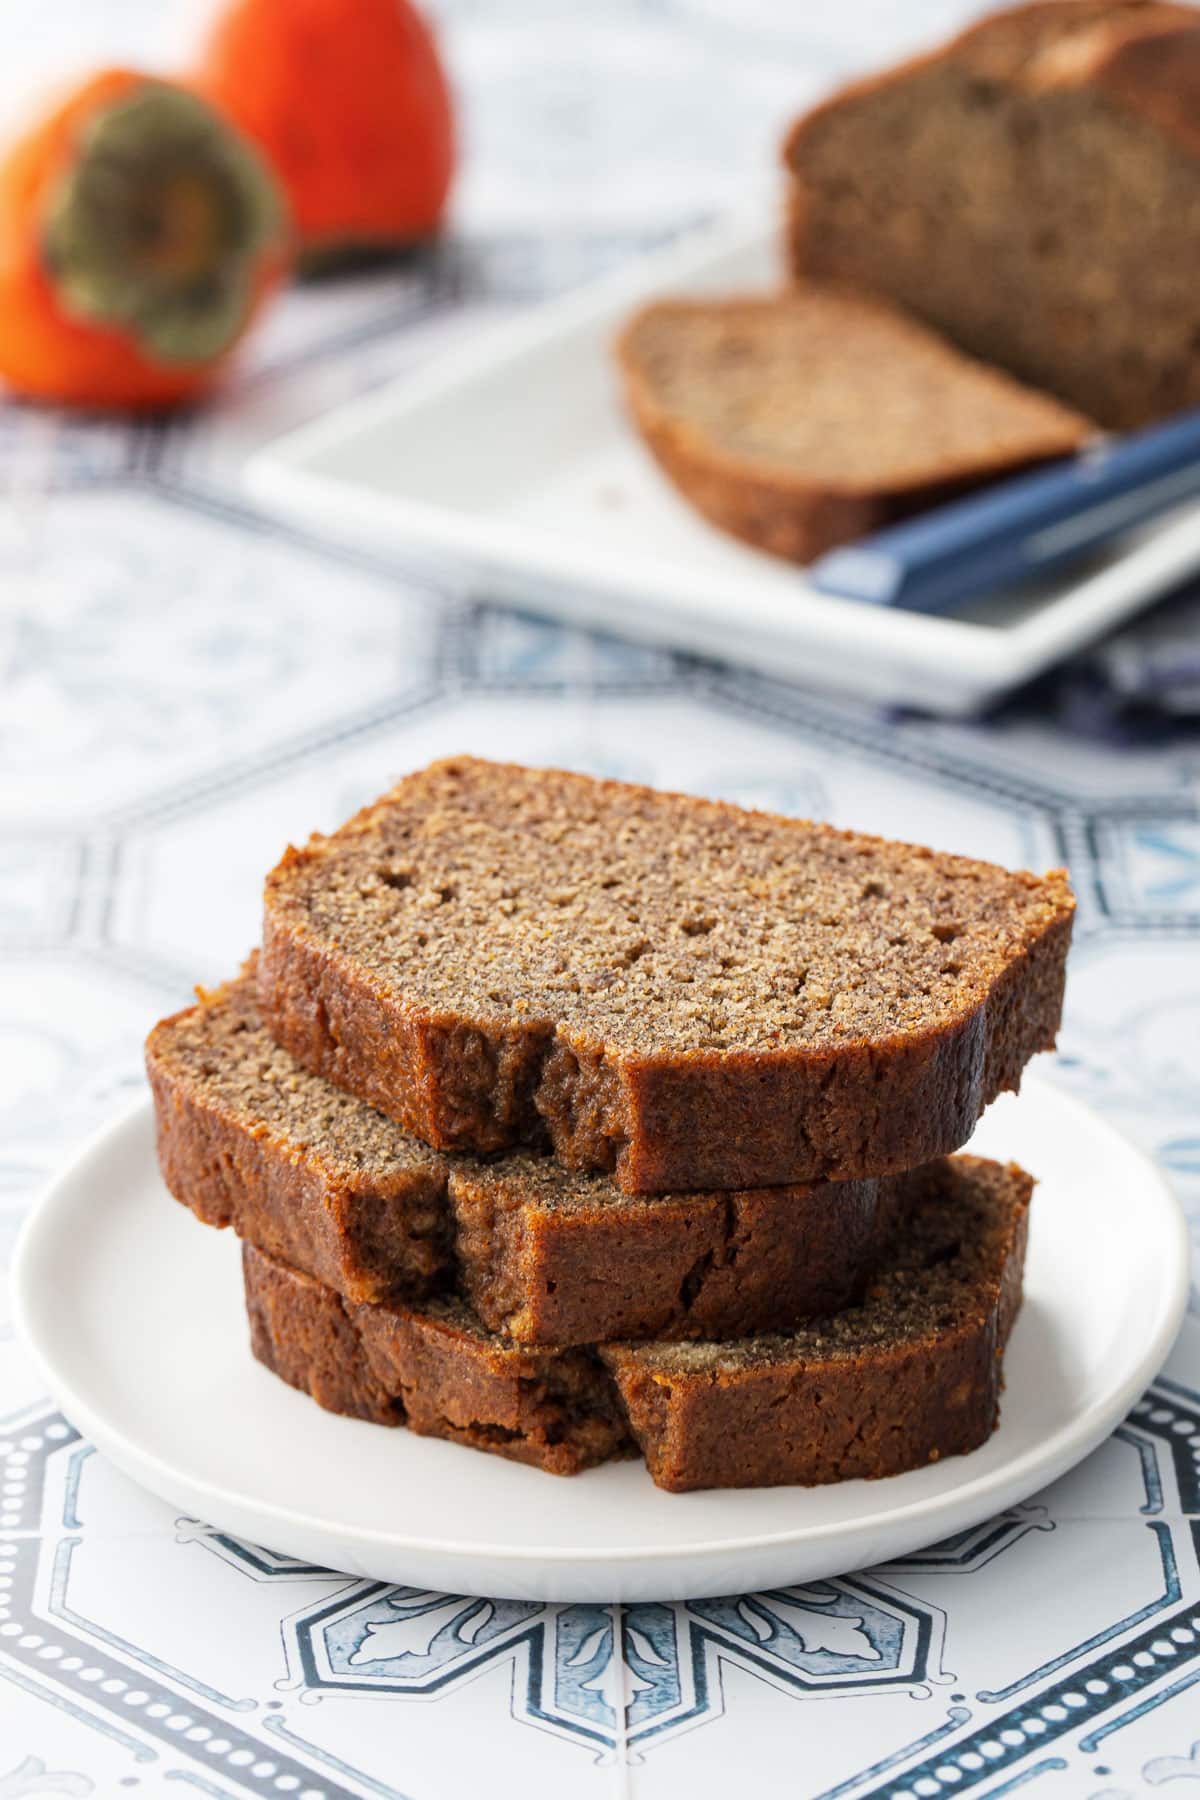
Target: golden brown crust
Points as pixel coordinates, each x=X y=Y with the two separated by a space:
x=776 y=1421
x=1004 y=43
x=433 y=1373
x=664 y=1266
x=885 y=1107
x=373 y=1232
x=543 y=1256
x=764 y=1429
x=301 y=1331
x=782 y=518
x=760 y=1413
x=688 y=1122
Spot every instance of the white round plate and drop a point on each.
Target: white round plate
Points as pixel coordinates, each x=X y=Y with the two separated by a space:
x=135 y=1315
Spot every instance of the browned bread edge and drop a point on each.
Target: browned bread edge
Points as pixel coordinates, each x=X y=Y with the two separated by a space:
x=689 y=1120
x=768 y=1423
x=710 y=1265
x=1114 y=30
x=422 y=1369
x=912 y=1404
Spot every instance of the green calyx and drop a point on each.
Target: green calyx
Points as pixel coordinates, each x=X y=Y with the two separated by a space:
x=157 y=227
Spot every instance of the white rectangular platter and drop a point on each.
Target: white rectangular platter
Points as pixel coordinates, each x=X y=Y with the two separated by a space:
x=509 y=464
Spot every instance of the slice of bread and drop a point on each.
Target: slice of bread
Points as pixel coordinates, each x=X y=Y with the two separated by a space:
x=1032 y=190
x=911 y=1375
x=434 y=1369
x=687 y=994
x=321 y=1181
x=802 y=420
x=546 y=1255
x=248 y=1138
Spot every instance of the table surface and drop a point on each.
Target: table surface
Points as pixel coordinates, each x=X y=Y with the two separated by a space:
x=185 y=686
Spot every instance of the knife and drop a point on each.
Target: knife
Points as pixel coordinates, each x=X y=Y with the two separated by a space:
x=1021 y=528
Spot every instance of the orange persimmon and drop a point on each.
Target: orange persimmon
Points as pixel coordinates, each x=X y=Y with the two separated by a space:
x=349 y=100
x=139 y=233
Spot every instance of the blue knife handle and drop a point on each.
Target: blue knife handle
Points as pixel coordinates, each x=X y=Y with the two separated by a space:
x=1020 y=528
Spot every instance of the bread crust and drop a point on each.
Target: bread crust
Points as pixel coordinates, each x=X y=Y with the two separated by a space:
x=541 y=1256
x=675 y=1121
x=666 y=1266
x=775 y=1417
x=429 y=1372
x=775 y=1423
x=768 y=512
x=1105 y=29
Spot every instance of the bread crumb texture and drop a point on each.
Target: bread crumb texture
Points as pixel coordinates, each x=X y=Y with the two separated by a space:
x=653 y=924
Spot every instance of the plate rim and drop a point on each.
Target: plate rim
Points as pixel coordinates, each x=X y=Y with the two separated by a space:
x=1034 y=1468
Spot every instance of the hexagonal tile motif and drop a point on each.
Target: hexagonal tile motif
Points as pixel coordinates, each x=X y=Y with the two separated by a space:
x=610 y=1675
x=161 y=640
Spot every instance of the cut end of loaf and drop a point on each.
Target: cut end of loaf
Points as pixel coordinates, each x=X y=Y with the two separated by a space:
x=1031 y=190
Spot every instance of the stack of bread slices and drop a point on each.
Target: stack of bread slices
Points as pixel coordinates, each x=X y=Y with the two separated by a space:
x=571 y=1120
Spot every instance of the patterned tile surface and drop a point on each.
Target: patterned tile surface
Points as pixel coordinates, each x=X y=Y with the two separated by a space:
x=183 y=687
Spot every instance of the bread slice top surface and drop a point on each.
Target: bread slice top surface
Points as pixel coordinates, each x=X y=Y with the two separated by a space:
x=539 y=1183
x=943 y=1273
x=655 y=924
x=221 y=1051
x=827 y=388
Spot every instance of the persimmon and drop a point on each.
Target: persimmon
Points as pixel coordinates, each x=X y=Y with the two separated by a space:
x=349 y=101
x=139 y=233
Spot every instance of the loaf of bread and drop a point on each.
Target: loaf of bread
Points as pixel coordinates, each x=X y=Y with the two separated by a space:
x=1033 y=191
x=684 y=993
x=911 y=1375
x=802 y=420
x=324 y=1183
